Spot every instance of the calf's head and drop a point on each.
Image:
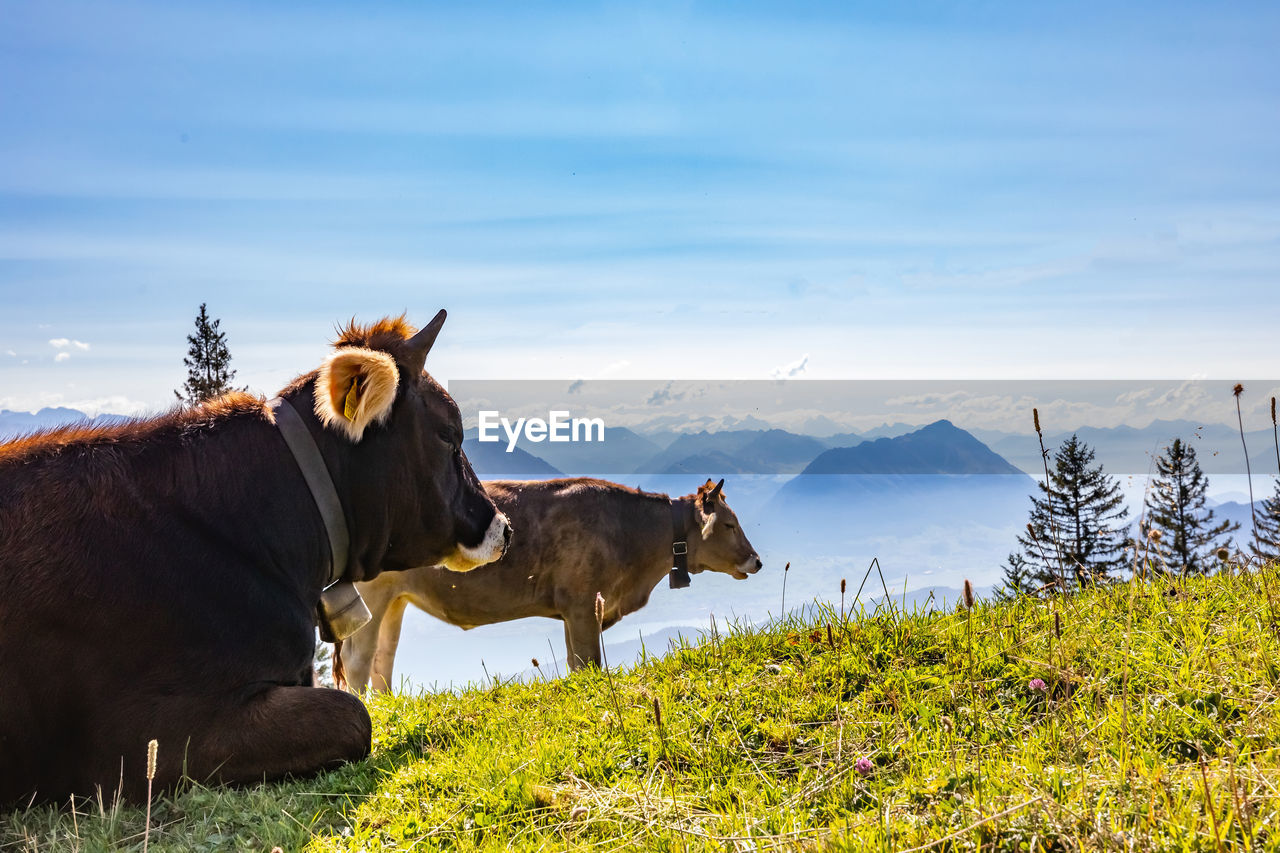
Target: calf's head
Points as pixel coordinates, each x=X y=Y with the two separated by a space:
x=410 y=491
x=724 y=546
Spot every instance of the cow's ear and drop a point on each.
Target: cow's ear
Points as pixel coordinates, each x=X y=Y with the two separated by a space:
x=355 y=388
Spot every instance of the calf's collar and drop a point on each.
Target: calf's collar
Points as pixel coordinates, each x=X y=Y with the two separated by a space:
x=679 y=577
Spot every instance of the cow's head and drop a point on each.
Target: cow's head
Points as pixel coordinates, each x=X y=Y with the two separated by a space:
x=723 y=546
x=410 y=490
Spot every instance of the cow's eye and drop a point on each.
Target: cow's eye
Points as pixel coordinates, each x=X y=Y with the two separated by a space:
x=731 y=527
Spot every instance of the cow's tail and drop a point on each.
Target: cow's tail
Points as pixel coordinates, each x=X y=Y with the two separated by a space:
x=339 y=672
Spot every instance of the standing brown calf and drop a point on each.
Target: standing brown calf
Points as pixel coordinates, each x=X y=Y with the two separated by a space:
x=575 y=538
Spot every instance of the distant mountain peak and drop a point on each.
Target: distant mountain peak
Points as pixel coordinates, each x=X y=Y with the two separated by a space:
x=937 y=448
x=940 y=426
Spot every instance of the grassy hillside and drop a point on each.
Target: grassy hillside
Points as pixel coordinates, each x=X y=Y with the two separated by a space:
x=1155 y=728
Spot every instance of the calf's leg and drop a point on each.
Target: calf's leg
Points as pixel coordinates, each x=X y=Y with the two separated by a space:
x=582 y=639
x=359 y=649
x=357 y=658
x=569 y=659
x=384 y=658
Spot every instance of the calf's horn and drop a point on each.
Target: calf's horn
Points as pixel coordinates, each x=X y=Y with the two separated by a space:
x=715 y=493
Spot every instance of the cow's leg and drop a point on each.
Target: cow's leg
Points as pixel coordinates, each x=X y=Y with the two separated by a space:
x=281 y=731
x=359 y=649
x=582 y=636
x=384 y=658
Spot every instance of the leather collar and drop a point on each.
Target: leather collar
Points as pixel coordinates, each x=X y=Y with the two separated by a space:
x=679 y=577
x=316 y=473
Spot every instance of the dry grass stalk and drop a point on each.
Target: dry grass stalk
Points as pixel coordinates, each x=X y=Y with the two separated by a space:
x=1208 y=799
x=555 y=664
x=1253 y=512
x=969 y=600
x=604 y=660
x=1052 y=582
x=1274 y=433
x=786 y=570
x=153 y=747
x=1053 y=523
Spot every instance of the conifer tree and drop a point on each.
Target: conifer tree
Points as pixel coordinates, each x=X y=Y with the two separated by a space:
x=1267 y=545
x=1017 y=579
x=1076 y=535
x=322 y=666
x=208 y=362
x=1175 y=506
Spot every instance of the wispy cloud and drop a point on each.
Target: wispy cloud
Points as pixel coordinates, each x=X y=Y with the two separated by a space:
x=792 y=369
x=65 y=343
x=62 y=356
x=612 y=368
x=664 y=395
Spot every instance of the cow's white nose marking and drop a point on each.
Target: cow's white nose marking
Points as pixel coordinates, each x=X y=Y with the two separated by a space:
x=489 y=549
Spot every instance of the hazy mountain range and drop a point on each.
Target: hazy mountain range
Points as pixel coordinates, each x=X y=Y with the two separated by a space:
x=1129 y=450
x=936 y=448
x=491 y=461
x=13 y=424
x=744 y=451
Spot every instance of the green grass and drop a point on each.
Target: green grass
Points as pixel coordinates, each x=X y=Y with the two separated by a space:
x=1157 y=729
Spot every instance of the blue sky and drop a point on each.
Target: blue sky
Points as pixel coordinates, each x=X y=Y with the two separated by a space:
x=998 y=190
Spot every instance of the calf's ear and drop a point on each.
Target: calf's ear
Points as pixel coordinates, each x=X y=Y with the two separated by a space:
x=355 y=388
x=707 y=495
x=708 y=524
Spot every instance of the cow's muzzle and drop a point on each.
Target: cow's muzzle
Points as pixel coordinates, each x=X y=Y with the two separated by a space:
x=496 y=539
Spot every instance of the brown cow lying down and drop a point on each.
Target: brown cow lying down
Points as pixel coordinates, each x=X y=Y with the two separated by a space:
x=160 y=579
x=576 y=537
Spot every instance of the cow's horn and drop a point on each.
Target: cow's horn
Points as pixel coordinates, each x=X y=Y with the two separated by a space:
x=420 y=344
